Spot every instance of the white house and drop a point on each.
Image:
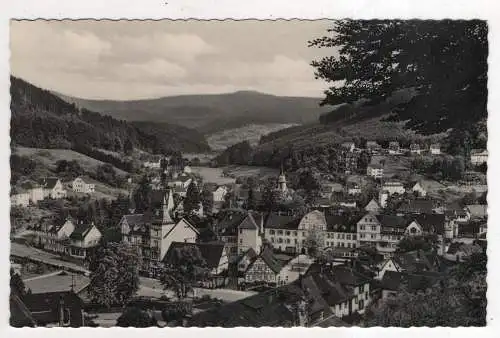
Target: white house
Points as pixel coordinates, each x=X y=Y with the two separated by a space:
x=394 y=148
x=375 y=170
x=393 y=188
x=353 y=188
x=80 y=186
x=415 y=148
x=53 y=188
x=249 y=235
x=479 y=156
x=21 y=199
x=435 y=149
x=83 y=238
x=419 y=189
x=349 y=146
x=373 y=206
x=219 y=194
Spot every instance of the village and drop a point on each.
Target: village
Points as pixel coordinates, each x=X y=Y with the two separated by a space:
x=349 y=246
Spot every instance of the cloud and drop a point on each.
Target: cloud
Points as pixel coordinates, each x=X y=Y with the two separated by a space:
x=130 y=60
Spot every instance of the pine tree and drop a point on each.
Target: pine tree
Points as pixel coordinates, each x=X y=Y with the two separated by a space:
x=193 y=198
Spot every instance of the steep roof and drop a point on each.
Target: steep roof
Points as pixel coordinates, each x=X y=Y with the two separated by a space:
x=249 y=223
x=45 y=306
x=277 y=221
x=340 y=223
x=431 y=222
x=20 y=315
x=392 y=221
x=81 y=231
x=211 y=251
x=414 y=261
x=49 y=182
x=272 y=262
x=418 y=205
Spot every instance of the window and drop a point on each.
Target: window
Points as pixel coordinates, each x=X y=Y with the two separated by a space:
x=304 y=233
x=362 y=227
x=338 y=236
x=295 y=233
x=373 y=236
x=296 y=241
x=271 y=232
x=288 y=241
x=356 y=300
x=241 y=241
x=66 y=317
x=374 y=228
x=280 y=232
x=342 y=244
x=272 y=239
x=280 y=240
x=361 y=305
x=287 y=233
x=241 y=231
x=354 y=237
x=348 y=237
x=342 y=236
x=362 y=288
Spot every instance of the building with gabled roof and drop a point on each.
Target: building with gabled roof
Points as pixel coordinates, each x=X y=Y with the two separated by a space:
x=373 y=206
x=53 y=188
x=83 y=239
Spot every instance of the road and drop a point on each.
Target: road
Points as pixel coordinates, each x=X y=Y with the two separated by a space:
x=148 y=287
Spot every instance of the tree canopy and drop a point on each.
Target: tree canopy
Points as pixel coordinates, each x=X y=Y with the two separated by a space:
x=135 y=317
x=114 y=276
x=443 y=63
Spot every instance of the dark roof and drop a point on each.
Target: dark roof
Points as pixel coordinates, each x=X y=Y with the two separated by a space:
x=273 y=308
x=249 y=223
x=392 y=221
x=431 y=222
x=49 y=182
x=277 y=221
x=418 y=206
x=211 y=251
x=231 y=219
x=45 y=307
x=341 y=223
x=81 y=230
x=393 y=280
x=347 y=276
x=270 y=259
x=417 y=260
x=20 y=315
x=332 y=291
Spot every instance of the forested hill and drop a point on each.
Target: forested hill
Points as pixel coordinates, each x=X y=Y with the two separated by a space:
x=210 y=113
x=43 y=120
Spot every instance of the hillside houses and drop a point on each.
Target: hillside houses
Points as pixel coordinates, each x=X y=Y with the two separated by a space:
x=415 y=149
x=394 y=148
x=393 y=187
x=435 y=149
x=79 y=185
x=375 y=170
x=52 y=188
x=478 y=156
x=66 y=237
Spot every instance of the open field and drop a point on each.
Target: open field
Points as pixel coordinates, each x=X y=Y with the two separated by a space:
x=50 y=156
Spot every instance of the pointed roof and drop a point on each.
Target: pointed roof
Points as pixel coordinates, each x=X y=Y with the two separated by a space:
x=249 y=223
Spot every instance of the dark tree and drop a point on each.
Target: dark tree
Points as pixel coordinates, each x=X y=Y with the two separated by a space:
x=128 y=147
x=444 y=63
x=192 y=199
x=114 y=274
x=16 y=284
x=136 y=317
x=142 y=195
x=250 y=199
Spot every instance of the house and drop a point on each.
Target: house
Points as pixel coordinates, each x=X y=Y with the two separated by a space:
x=153 y=232
x=341 y=231
x=290 y=232
x=394 y=148
x=181 y=182
x=459 y=252
x=353 y=188
x=373 y=147
x=296 y=304
x=20 y=199
x=264 y=269
x=250 y=233
x=328 y=188
x=83 y=238
x=478 y=156
x=213 y=254
x=394 y=281
x=435 y=149
x=415 y=148
x=349 y=146
x=428 y=224
x=53 y=188
x=53 y=235
x=80 y=186
x=381 y=231
x=418 y=189
x=419 y=206
x=477 y=211
x=55 y=309
x=35 y=191
x=373 y=206
x=375 y=170
x=393 y=188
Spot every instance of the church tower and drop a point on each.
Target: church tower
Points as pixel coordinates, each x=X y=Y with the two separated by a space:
x=282 y=182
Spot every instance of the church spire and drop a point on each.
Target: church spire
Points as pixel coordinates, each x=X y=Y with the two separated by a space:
x=167 y=207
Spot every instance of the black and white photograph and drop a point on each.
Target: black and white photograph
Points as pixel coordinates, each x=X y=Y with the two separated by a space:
x=248 y=173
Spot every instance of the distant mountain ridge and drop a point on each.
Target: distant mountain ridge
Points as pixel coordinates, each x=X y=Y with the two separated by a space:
x=212 y=112
x=43 y=120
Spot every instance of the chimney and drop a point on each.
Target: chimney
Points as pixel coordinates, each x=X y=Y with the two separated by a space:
x=61 y=310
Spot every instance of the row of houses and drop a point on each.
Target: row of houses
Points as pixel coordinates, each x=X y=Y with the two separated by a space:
x=393 y=148
x=68 y=237
x=52 y=187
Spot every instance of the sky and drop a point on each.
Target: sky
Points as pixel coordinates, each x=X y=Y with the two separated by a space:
x=126 y=60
